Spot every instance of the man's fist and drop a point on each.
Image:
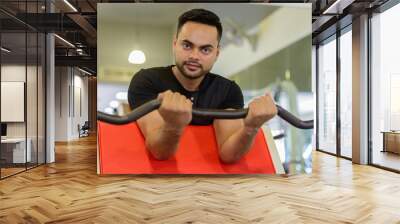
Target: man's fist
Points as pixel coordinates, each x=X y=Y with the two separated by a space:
x=261 y=110
x=175 y=109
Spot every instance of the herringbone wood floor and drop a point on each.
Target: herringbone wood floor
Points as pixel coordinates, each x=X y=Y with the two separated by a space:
x=69 y=191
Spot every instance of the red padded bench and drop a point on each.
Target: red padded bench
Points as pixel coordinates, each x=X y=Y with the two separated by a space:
x=121 y=150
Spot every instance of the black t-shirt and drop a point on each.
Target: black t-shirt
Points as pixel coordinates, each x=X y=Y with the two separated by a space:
x=215 y=92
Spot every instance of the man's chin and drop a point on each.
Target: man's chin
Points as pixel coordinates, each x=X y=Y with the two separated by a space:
x=193 y=74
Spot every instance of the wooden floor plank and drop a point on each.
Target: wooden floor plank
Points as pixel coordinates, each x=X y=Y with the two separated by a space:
x=70 y=191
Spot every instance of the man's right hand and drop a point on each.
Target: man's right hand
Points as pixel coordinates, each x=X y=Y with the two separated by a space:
x=175 y=109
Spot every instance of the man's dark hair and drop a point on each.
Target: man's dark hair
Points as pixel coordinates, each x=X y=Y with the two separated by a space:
x=200 y=16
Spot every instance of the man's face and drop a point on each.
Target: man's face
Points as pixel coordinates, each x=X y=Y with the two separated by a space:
x=196 y=49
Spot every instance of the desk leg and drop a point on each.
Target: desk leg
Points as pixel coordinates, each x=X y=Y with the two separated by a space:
x=384 y=143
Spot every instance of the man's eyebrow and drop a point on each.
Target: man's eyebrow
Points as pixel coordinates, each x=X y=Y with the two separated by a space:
x=203 y=46
x=207 y=45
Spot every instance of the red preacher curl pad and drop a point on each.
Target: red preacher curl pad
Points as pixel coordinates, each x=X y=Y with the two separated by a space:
x=121 y=150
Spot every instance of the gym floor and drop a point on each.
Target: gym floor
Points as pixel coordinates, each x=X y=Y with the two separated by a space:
x=70 y=191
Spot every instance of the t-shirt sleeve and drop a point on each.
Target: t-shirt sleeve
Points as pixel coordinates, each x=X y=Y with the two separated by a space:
x=141 y=89
x=234 y=98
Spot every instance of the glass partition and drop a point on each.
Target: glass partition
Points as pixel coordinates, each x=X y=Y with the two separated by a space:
x=22 y=88
x=346 y=92
x=385 y=89
x=13 y=95
x=327 y=95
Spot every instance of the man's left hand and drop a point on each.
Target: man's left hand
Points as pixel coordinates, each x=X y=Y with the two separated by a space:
x=261 y=110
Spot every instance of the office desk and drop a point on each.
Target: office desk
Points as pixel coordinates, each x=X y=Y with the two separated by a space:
x=391 y=141
x=15 y=148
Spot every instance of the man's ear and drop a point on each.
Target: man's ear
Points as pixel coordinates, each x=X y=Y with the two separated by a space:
x=218 y=48
x=174 y=41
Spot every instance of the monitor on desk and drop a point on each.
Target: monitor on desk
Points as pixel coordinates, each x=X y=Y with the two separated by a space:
x=3 y=130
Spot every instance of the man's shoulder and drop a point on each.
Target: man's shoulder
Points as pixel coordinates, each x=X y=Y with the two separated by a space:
x=153 y=71
x=219 y=79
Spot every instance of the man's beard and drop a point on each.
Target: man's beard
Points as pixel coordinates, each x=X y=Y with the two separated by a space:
x=200 y=74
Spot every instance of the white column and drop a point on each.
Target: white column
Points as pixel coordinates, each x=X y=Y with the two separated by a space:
x=360 y=90
x=50 y=100
x=50 y=92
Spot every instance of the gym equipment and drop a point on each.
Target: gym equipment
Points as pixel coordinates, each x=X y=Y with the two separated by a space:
x=211 y=113
x=121 y=146
x=122 y=150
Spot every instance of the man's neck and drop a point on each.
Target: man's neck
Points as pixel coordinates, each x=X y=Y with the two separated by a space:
x=188 y=84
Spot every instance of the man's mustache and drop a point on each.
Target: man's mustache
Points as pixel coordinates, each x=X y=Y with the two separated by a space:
x=193 y=63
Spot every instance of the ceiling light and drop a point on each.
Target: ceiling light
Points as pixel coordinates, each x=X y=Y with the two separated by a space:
x=109 y=110
x=137 y=57
x=121 y=96
x=114 y=104
x=64 y=40
x=5 y=50
x=287 y=74
x=71 y=6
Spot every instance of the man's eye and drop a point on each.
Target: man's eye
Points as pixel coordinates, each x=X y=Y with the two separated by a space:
x=206 y=50
x=186 y=45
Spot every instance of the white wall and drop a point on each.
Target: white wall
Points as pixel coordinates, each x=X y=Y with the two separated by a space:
x=33 y=126
x=80 y=109
x=117 y=40
x=277 y=31
x=61 y=103
x=17 y=73
x=85 y=99
x=14 y=73
x=71 y=93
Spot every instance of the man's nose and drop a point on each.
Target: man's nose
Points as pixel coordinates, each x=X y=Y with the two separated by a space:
x=194 y=54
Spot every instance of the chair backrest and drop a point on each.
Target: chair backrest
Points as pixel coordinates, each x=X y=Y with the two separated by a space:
x=86 y=125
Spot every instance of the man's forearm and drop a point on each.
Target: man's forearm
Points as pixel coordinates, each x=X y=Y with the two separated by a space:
x=163 y=141
x=237 y=144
